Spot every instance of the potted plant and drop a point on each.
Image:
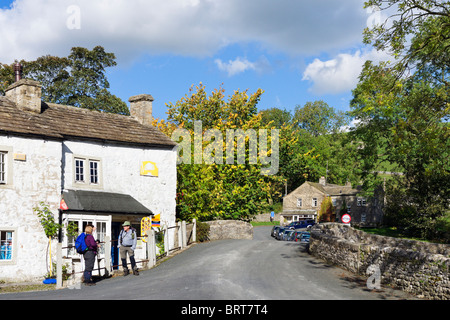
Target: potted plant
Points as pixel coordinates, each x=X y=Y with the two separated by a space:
x=51 y=228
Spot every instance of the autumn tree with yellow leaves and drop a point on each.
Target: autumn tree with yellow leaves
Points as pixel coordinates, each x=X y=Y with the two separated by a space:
x=222 y=189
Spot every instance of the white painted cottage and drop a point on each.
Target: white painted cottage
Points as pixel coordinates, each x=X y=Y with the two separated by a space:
x=108 y=168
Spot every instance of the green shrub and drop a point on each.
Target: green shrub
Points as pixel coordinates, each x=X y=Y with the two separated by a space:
x=202 y=231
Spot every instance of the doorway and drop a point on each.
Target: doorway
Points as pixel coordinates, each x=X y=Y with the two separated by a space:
x=116 y=227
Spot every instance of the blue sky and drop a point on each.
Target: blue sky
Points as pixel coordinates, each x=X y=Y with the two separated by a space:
x=296 y=51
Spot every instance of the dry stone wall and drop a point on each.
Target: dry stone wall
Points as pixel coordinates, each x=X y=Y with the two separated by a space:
x=229 y=229
x=417 y=267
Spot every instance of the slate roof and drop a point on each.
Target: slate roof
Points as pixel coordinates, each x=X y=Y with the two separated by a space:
x=103 y=202
x=66 y=122
x=334 y=189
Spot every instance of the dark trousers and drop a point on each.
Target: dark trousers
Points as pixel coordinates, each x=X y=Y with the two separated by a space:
x=89 y=260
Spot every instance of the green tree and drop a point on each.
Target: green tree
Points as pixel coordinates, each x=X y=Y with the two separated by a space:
x=219 y=191
x=50 y=226
x=426 y=20
x=77 y=80
x=318 y=118
x=403 y=109
x=276 y=117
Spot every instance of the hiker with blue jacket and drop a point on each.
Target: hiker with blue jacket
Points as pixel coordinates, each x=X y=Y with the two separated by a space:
x=127 y=245
x=89 y=255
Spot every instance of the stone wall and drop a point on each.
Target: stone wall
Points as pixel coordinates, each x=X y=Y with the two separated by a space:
x=34 y=178
x=417 y=267
x=229 y=229
x=265 y=217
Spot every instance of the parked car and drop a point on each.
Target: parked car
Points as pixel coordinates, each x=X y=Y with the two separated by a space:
x=287 y=234
x=302 y=236
x=292 y=236
x=301 y=224
x=279 y=233
x=274 y=230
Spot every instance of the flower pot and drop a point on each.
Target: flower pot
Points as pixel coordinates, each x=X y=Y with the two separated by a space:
x=49 y=281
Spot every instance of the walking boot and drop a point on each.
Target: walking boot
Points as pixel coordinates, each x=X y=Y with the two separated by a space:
x=126 y=272
x=88 y=279
x=135 y=272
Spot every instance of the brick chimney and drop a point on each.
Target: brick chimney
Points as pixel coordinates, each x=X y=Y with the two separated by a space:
x=26 y=94
x=141 y=108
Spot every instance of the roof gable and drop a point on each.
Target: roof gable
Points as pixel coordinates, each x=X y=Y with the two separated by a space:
x=327 y=189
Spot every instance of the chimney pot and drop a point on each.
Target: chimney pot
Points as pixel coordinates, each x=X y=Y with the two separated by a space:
x=141 y=108
x=17 y=71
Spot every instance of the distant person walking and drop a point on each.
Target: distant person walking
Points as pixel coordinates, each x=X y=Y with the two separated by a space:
x=127 y=245
x=272 y=216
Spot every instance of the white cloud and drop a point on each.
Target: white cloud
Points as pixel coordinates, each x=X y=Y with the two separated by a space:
x=236 y=66
x=339 y=74
x=353 y=124
x=32 y=28
x=239 y=65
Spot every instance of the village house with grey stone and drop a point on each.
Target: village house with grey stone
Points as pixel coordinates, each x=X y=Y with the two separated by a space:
x=108 y=168
x=305 y=201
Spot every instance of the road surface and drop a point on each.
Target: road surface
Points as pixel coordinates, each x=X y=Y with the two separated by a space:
x=258 y=269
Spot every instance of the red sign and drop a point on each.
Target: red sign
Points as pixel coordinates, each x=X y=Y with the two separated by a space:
x=346 y=218
x=63 y=205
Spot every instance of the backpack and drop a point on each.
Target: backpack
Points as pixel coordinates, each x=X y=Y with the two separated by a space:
x=122 y=234
x=80 y=243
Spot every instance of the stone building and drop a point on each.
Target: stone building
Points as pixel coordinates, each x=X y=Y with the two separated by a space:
x=305 y=201
x=108 y=168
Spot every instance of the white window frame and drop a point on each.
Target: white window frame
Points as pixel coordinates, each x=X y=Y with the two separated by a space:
x=80 y=170
x=299 y=202
x=363 y=217
x=94 y=173
x=103 y=229
x=91 y=178
x=361 y=202
x=334 y=202
x=12 y=243
x=314 y=202
x=6 y=166
x=3 y=167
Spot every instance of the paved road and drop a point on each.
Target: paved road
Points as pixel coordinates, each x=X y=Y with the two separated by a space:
x=262 y=268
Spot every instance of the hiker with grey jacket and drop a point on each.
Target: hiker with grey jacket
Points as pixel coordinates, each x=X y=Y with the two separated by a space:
x=127 y=245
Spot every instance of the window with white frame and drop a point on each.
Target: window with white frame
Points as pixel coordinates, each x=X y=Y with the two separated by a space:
x=334 y=202
x=102 y=230
x=361 y=202
x=314 y=202
x=79 y=170
x=299 y=202
x=363 y=217
x=6 y=246
x=6 y=166
x=101 y=235
x=87 y=171
x=93 y=171
x=3 y=167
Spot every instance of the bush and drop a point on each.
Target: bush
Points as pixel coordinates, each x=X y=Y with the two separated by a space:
x=202 y=231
